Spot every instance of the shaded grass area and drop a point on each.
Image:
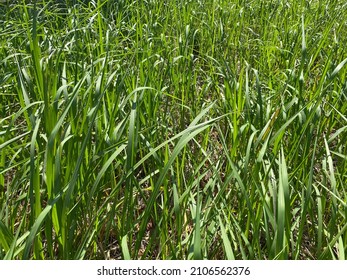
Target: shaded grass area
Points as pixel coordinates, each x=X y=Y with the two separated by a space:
x=179 y=130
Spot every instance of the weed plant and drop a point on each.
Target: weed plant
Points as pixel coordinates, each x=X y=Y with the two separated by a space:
x=181 y=129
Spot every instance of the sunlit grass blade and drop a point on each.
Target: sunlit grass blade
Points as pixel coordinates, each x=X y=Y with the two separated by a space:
x=283 y=210
x=197 y=248
x=226 y=242
x=158 y=130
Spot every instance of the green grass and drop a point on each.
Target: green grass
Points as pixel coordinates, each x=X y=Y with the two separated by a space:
x=173 y=129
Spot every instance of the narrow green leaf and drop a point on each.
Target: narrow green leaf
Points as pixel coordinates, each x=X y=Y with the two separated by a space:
x=226 y=242
x=197 y=230
x=6 y=237
x=125 y=249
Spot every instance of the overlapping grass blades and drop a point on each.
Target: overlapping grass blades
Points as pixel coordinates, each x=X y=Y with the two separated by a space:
x=173 y=130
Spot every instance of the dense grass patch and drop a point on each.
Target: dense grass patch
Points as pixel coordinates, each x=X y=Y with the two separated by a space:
x=173 y=129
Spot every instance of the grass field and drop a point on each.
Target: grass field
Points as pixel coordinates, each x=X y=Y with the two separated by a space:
x=183 y=129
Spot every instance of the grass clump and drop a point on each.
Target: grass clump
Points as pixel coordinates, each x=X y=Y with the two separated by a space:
x=179 y=130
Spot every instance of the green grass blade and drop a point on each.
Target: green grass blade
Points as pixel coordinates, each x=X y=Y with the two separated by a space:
x=226 y=242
